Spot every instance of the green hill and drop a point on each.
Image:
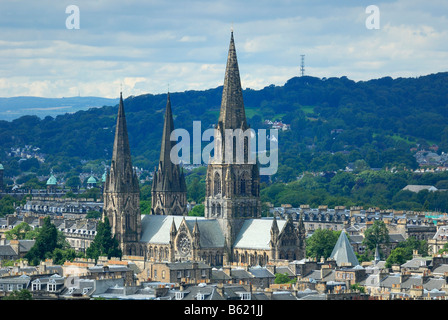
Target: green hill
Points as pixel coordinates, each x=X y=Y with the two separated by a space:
x=334 y=122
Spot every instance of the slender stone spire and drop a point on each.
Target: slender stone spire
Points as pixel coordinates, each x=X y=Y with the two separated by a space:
x=169 y=177
x=167 y=144
x=122 y=177
x=122 y=191
x=232 y=115
x=169 y=190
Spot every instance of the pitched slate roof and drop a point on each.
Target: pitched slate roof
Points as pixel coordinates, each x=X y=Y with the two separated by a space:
x=156 y=229
x=186 y=265
x=239 y=273
x=208 y=292
x=415 y=263
x=283 y=295
x=6 y=250
x=256 y=233
x=440 y=270
x=261 y=272
x=343 y=251
x=219 y=275
x=396 y=237
x=389 y=280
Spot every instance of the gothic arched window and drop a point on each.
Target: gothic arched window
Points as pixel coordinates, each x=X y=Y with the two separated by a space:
x=217 y=184
x=243 y=186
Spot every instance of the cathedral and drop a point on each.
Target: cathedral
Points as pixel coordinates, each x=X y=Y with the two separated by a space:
x=232 y=230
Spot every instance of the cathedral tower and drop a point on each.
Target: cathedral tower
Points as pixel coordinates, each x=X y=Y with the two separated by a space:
x=122 y=192
x=232 y=182
x=169 y=191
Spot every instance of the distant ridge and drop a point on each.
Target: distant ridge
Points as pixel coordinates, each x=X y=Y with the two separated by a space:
x=16 y=107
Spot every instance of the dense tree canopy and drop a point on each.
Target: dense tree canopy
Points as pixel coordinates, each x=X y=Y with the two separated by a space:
x=334 y=122
x=381 y=189
x=50 y=244
x=321 y=243
x=104 y=243
x=376 y=235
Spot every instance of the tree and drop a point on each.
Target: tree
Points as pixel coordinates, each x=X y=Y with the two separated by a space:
x=22 y=231
x=59 y=255
x=358 y=287
x=46 y=242
x=93 y=214
x=321 y=243
x=73 y=182
x=7 y=205
x=444 y=248
x=50 y=244
x=93 y=193
x=104 y=243
x=397 y=256
x=145 y=206
x=376 y=234
x=283 y=278
x=197 y=211
x=23 y=294
x=411 y=244
x=145 y=192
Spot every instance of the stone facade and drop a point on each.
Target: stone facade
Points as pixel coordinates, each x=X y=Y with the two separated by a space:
x=122 y=192
x=232 y=230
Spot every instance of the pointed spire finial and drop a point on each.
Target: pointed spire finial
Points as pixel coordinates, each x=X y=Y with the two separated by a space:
x=232 y=114
x=121 y=155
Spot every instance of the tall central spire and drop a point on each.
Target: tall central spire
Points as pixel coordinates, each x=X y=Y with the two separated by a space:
x=232 y=115
x=232 y=187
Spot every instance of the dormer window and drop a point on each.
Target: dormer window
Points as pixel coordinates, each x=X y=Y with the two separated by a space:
x=200 y=296
x=51 y=285
x=179 y=295
x=35 y=285
x=245 y=295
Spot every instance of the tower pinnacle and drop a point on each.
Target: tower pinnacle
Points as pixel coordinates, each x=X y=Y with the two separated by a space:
x=232 y=114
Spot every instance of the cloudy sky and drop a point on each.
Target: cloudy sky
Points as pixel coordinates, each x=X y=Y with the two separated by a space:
x=148 y=46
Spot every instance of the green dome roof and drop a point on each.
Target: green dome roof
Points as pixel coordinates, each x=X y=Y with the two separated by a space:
x=91 y=180
x=52 y=181
x=1 y=167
